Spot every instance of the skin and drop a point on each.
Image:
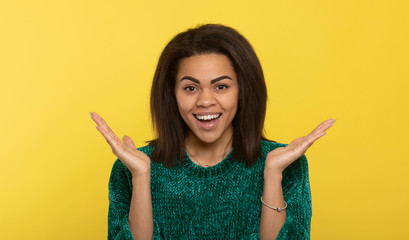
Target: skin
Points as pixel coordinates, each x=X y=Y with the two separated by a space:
x=277 y=160
x=206 y=91
x=207 y=84
x=138 y=163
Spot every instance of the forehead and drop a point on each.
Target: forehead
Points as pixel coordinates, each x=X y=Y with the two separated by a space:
x=206 y=66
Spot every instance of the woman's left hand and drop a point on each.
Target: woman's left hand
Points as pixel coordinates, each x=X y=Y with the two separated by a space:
x=280 y=158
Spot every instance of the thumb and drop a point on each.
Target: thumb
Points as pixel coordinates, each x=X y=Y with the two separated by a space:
x=128 y=142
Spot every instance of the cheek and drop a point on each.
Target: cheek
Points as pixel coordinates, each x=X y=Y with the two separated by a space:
x=184 y=104
x=234 y=106
x=231 y=103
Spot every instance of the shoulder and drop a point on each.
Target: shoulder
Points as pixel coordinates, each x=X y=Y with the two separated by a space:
x=269 y=145
x=266 y=146
x=148 y=149
x=119 y=169
x=120 y=180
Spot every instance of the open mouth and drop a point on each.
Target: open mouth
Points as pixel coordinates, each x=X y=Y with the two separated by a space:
x=207 y=118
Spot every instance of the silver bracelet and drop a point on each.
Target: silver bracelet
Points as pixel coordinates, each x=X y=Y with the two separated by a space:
x=278 y=209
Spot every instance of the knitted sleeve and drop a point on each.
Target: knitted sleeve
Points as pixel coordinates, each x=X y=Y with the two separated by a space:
x=297 y=194
x=120 y=194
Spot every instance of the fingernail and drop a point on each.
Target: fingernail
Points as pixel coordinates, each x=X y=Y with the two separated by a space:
x=90 y=113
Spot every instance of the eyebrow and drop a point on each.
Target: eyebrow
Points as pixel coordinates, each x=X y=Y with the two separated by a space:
x=211 y=82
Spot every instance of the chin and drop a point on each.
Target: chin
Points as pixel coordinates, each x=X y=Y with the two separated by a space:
x=207 y=139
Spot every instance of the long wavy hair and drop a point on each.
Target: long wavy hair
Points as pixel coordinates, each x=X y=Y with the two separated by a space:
x=248 y=123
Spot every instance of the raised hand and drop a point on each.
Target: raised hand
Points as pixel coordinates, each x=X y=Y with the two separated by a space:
x=136 y=161
x=280 y=158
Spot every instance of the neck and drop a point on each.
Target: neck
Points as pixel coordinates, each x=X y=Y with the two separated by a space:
x=209 y=153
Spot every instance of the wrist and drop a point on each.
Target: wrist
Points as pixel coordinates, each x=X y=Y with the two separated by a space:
x=141 y=177
x=273 y=175
x=141 y=171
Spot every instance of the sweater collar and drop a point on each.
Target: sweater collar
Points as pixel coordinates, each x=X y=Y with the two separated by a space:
x=193 y=169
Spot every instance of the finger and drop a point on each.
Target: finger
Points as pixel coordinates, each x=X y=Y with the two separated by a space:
x=314 y=137
x=298 y=145
x=323 y=126
x=303 y=143
x=116 y=145
x=111 y=138
x=100 y=121
x=297 y=141
x=128 y=142
x=106 y=131
x=102 y=124
x=318 y=132
x=95 y=117
x=327 y=125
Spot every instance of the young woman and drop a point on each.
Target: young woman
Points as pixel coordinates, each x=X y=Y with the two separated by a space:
x=210 y=173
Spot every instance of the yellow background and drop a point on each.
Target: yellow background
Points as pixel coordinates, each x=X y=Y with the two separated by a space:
x=322 y=59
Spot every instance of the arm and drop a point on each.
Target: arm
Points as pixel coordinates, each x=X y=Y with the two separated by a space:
x=130 y=206
x=277 y=161
x=140 y=213
x=271 y=221
x=297 y=193
x=298 y=223
x=295 y=188
x=119 y=202
x=134 y=206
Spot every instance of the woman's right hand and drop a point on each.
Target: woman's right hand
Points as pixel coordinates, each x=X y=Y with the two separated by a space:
x=137 y=162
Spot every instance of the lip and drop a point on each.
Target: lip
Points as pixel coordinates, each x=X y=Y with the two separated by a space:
x=206 y=113
x=208 y=125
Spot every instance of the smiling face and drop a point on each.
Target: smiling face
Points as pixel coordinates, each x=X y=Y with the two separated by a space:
x=207 y=95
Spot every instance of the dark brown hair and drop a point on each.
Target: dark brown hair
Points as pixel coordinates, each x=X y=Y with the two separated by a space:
x=248 y=123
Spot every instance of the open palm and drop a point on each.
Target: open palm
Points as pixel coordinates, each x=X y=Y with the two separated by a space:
x=280 y=158
x=136 y=161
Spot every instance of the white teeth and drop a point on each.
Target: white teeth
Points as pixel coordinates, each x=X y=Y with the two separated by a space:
x=207 y=117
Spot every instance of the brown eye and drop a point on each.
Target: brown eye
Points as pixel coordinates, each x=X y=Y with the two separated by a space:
x=190 y=88
x=221 y=87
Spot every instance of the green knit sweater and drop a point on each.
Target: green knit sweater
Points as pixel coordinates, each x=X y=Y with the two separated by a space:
x=219 y=202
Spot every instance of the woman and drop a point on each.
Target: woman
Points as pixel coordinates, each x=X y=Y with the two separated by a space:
x=210 y=173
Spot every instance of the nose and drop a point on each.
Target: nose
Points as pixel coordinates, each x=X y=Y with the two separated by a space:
x=205 y=99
